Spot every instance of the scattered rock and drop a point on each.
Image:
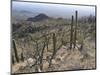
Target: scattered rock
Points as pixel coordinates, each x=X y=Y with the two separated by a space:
x=31 y=61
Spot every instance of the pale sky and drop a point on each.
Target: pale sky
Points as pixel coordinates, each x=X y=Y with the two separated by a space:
x=54 y=10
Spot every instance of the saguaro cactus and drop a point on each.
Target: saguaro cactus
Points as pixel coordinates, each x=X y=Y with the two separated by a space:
x=54 y=48
x=71 y=34
x=13 y=59
x=76 y=23
x=41 y=58
x=54 y=43
x=15 y=51
x=47 y=41
x=37 y=51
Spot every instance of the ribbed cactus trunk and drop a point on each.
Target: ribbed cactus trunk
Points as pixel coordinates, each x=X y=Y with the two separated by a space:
x=76 y=23
x=47 y=44
x=41 y=58
x=47 y=41
x=54 y=44
x=15 y=51
x=37 y=56
x=62 y=41
x=37 y=53
x=54 y=49
x=13 y=59
x=71 y=34
x=37 y=49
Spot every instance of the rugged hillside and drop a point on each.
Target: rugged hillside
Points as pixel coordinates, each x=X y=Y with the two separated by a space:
x=41 y=44
x=39 y=17
x=20 y=15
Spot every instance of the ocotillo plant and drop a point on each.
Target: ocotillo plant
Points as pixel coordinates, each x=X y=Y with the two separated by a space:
x=76 y=23
x=54 y=49
x=41 y=57
x=15 y=51
x=71 y=34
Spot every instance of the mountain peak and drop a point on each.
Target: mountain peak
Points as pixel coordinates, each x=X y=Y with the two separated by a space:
x=39 y=17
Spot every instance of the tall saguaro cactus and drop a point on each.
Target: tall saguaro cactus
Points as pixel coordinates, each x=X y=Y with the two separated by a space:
x=41 y=58
x=13 y=59
x=47 y=41
x=71 y=33
x=54 y=43
x=76 y=23
x=54 y=49
x=15 y=51
x=37 y=52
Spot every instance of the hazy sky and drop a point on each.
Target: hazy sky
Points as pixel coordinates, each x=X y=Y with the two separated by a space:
x=54 y=10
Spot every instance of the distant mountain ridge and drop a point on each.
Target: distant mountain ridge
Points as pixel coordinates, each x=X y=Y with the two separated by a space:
x=39 y=17
x=18 y=15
